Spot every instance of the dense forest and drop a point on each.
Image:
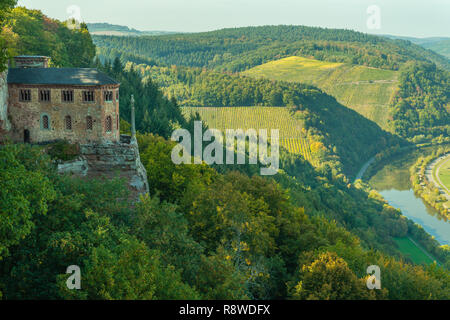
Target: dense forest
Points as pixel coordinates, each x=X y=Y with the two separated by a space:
x=199 y=234
x=421 y=107
x=202 y=232
x=238 y=49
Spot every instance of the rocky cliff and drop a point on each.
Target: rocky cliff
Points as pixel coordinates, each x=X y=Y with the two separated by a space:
x=4 y=122
x=109 y=161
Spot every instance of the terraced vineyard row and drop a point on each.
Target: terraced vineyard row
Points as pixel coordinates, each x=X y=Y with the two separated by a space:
x=257 y=118
x=297 y=146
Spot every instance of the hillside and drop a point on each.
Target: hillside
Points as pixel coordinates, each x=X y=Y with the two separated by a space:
x=366 y=90
x=440 y=45
x=50 y=37
x=292 y=138
x=342 y=138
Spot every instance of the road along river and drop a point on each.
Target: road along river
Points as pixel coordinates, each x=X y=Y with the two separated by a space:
x=393 y=183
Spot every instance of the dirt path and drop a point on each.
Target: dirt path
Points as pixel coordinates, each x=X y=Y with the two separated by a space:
x=364 y=168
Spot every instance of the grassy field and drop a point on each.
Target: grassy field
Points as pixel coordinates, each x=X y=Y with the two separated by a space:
x=366 y=90
x=411 y=250
x=444 y=174
x=257 y=118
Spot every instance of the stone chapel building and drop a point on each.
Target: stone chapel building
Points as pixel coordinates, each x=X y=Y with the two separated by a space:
x=49 y=104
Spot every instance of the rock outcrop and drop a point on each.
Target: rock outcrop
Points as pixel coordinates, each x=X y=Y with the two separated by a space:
x=5 y=125
x=109 y=161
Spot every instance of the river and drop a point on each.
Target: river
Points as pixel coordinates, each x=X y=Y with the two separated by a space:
x=393 y=183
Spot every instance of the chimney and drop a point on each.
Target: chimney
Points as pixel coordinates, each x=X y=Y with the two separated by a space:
x=31 y=61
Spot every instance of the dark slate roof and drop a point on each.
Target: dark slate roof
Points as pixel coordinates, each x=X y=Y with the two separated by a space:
x=62 y=76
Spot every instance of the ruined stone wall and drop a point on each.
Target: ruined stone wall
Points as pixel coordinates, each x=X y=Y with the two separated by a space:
x=28 y=115
x=5 y=125
x=109 y=161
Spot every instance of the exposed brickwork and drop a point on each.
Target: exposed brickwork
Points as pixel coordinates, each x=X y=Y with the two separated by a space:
x=27 y=116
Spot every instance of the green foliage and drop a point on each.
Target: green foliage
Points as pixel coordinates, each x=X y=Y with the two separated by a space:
x=413 y=252
x=128 y=271
x=421 y=106
x=39 y=35
x=252 y=226
x=214 y=236
x=154 y=112
x=328 y=277
x=63 y=150
x=5 y=7
x=24 y=194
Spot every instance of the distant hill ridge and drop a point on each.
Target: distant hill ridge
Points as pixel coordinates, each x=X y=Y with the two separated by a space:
x=118 y=30
x=239 y=49
x=440 y=45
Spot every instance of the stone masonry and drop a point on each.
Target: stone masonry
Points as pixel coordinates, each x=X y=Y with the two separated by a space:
x=109 y=161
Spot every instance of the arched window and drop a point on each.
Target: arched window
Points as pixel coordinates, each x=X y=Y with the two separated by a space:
x=45 y=122
x=89 y=123
x=68 y=122
x=108 y=124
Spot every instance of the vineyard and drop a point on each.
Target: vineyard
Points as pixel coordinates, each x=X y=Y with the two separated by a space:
x=291 y=137
x=366 y=90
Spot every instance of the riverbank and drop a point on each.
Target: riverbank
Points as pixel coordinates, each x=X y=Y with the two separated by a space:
x=442 y=164
x=427 y=230
x=425 y=182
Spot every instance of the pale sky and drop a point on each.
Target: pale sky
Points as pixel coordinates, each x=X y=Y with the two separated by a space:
x=417 y=18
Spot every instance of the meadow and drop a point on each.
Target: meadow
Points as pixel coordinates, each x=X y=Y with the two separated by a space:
x=412 y=251
x=364 y=89
x=290 y=129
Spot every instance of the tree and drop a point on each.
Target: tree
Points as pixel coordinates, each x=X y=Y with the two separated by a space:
x=5 y=6
x=328 y=277
x=24 y=193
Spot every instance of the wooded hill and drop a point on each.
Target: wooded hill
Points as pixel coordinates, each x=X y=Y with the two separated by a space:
x=239 y=49
x=203 y=232
x=29 y=32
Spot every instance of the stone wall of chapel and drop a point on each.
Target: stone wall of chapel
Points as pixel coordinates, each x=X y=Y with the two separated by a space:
x=27 y=116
